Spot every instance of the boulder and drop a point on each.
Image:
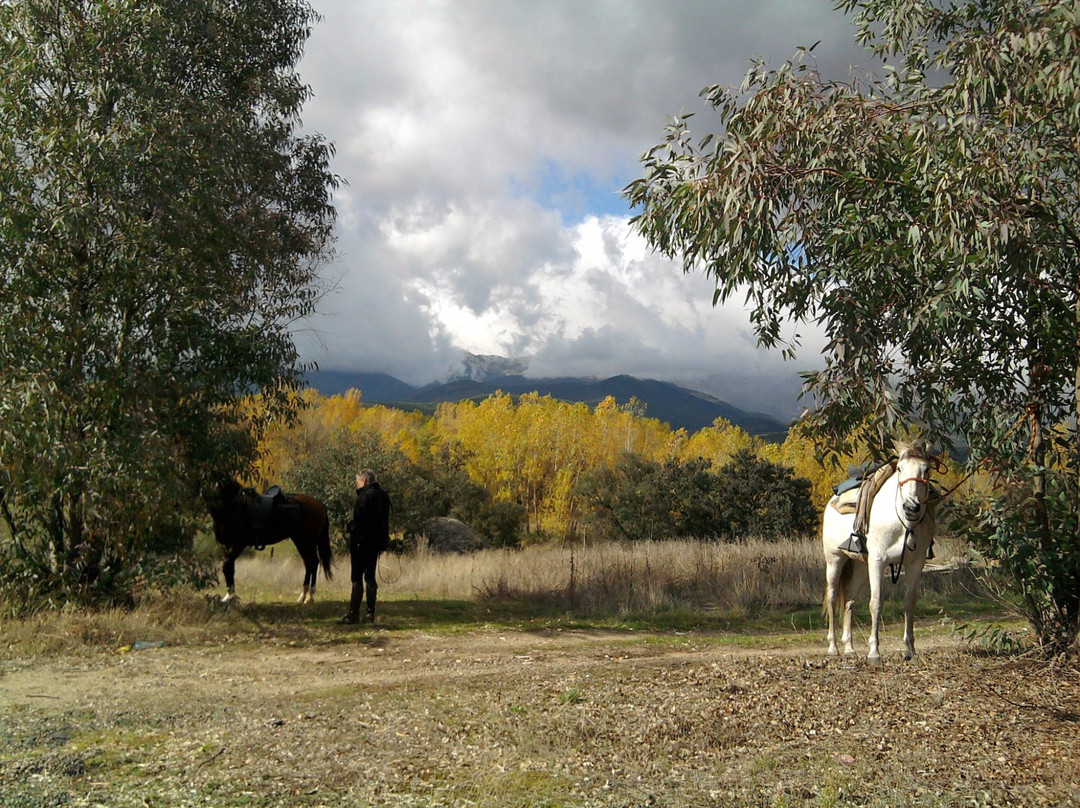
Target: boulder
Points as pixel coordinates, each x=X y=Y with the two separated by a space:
x=448 y=535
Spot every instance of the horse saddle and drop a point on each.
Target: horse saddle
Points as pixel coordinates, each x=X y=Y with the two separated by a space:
x=846 y=501
x=864 y=483
x=272 y=515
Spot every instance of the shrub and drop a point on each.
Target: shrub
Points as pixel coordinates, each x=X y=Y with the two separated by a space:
x=641 y=499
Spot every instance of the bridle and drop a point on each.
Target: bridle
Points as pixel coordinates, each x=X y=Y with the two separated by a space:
x=925 y=480
x=909 y=526
x=932 y=463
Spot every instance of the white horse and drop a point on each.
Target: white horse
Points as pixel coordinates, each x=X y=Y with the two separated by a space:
x=900 y=533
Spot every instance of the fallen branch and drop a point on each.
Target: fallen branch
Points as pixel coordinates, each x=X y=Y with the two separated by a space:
x=219 y=753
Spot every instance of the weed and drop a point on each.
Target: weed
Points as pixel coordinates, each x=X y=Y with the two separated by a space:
x=991 y=638
x=573 y=695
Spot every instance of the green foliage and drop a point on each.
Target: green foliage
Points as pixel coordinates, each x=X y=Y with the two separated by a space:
x=928 y=222
x=1044 y=560
x=430 y=487
x=647 y=500
x=992 y=638
x=160 y=228
x=639 y=499
x=764 y=499
x=118 y=580
x=328 y=469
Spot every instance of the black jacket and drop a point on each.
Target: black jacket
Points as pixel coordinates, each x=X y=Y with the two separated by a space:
x=371 y=520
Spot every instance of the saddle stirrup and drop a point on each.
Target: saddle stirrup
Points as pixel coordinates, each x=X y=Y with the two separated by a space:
x=855 y=543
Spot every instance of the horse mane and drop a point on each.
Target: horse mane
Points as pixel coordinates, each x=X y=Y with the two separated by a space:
x=917 y=449
x=225 y=491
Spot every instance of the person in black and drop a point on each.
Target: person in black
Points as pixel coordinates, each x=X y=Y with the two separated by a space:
x=369 y=535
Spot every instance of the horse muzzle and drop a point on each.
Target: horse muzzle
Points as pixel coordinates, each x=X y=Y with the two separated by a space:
x=913 y=509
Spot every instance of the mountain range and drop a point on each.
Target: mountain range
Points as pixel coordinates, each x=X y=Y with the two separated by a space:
x=677 y=406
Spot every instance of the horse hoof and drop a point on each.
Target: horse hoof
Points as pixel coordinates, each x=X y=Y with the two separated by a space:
x=874 y=660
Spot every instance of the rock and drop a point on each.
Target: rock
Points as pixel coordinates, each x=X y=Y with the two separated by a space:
x=448 y=535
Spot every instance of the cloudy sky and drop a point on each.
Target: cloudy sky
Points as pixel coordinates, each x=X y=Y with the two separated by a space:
x=485 y=144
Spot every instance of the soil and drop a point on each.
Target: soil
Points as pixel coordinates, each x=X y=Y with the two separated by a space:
x=492 y=717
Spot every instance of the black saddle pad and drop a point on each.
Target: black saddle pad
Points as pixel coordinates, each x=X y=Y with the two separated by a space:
x=272 y=516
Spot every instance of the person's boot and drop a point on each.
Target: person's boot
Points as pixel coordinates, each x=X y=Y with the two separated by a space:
x=353 y=615
x=369 y=616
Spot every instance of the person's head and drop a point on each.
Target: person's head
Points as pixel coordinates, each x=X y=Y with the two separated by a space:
x=365 y=477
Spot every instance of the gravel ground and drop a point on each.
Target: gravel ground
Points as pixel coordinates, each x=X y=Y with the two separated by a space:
x=490 y=717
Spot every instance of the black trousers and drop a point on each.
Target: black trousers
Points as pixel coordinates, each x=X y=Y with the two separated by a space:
x=364 y=563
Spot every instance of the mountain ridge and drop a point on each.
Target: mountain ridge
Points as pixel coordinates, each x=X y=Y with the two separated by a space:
x=680 y=407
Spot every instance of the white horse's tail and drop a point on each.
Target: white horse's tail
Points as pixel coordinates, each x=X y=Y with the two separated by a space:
x=841 y=588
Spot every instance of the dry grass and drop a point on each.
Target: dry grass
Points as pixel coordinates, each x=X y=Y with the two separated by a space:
x=595 y=581
x=181 y=616
x=621 y=578
x=633 y=578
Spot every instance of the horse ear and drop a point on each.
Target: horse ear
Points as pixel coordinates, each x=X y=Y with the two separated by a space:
x=918 y=448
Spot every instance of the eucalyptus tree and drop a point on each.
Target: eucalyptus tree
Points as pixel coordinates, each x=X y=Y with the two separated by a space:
x=162 y=222
x=926 y=219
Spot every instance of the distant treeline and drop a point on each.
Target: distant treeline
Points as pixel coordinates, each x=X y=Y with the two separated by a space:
x=534 y=468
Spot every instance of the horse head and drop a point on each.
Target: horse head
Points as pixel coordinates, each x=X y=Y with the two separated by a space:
x=913 y=466
x=225 y=498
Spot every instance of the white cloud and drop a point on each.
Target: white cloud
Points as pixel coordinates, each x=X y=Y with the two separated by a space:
x=485 y=143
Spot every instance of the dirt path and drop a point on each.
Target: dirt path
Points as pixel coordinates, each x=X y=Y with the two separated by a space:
x=494 y=717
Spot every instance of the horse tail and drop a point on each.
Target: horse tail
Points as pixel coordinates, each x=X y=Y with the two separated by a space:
x=326 y=554
x=841 y=588
x=845 y=579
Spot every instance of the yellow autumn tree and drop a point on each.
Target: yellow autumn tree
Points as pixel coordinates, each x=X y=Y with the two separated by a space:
x=321 y=417
x=717 y=444
x=317 y=419
x=534 y=450
x=531 y=451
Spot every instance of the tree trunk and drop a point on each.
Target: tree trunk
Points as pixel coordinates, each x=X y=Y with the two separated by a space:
x=57 y=546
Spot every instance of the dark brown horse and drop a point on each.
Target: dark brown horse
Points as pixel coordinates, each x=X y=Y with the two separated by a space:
x=243 y=518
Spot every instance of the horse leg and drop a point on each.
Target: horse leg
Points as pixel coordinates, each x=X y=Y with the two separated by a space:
x=853 y=586
x=308 y=592
x=911 y=597
x=828 y=606
x=833 y=590
x=229 y=570
x=311 y=571
x=845 y=638
x=876 y=570
x=834 y=528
